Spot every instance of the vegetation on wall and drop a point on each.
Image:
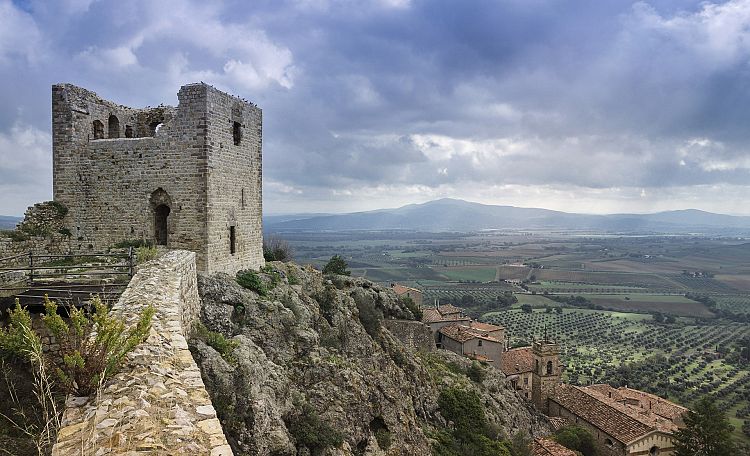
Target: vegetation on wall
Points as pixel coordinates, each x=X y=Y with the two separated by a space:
x=92 y=345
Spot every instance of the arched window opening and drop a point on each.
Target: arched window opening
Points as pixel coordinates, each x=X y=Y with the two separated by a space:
x=161 y=214
x=155 y=126
x=654 y=450
x=98 y=128
x=237 y=133
x=128 y=131
x=113 y=125
x=549 y=367
x=609 y=443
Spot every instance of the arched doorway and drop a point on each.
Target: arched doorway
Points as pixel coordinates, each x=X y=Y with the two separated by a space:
x=113 y=125
x=161 y=205
x=161 y=214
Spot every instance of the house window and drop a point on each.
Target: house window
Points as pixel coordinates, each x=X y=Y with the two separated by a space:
x=549 y=367
x=480 y=342
x=237 y=133
x=609 y=443
x=526 y=380
x=654 y=450
x=232 y=239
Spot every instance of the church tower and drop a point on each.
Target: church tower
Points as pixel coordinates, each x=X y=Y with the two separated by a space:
x=547 y=372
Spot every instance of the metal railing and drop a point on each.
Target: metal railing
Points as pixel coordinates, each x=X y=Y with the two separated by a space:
x=74 y=275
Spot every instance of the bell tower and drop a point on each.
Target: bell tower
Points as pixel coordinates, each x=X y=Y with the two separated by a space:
x=547 y=371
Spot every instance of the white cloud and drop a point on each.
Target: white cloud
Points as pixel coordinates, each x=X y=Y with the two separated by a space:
x=25 y=167
x=19 y=34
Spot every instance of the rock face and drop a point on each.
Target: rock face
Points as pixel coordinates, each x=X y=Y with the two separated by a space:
x=318 y=343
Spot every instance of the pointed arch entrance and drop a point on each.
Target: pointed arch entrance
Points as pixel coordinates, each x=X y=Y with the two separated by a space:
x=161 y=205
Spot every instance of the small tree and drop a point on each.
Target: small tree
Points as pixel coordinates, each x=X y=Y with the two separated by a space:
x=576 y=438
x=707 y=432
x=276 y=249
x=526 y=308
x=336 y=265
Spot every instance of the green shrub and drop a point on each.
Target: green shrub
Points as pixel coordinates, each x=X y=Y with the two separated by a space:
x=146 y=253
x=412 y=306
x=92 y=347
x=383 y=436
x=370 y=316
x=336 y=265
x=465 y=409
x=225 y=347
x=476 y=372
x=576 y=438
x=250 y=280
x=61 y=209
x=135 y=243
x=292 y=278
x=276 y=249
x=17 y=235
x=65 y=232
x=310 y=431
x=273 y=274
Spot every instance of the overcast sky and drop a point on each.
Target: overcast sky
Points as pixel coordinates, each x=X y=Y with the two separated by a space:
x=583 y=106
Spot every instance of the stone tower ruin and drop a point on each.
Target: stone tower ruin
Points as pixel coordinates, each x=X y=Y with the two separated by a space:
x=187 y=177
x=547 y=372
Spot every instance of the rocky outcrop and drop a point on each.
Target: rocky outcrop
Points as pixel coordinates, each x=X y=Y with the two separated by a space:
x=318 y=344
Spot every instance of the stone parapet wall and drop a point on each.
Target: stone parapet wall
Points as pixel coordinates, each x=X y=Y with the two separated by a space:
x=415 y=335
x=157 y=404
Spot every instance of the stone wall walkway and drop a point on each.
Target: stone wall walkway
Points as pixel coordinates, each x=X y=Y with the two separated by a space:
x=157 y=404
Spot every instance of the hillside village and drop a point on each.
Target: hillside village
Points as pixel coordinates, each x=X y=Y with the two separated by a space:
x=623 y=420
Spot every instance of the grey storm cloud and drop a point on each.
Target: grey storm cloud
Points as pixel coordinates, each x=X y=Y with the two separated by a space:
x=397 y=101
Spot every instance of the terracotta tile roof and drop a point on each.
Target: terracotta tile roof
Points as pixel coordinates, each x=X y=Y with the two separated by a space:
x=447 y=309
x=595 y=409
x=433 y=315
x=517 y=361
x=463 y=333
x=548 y=447
x=486 y=326
x=641 y=400
x=401 y=289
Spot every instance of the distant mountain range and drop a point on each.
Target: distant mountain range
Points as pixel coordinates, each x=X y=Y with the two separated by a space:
x=8 y=222
x=458 y=215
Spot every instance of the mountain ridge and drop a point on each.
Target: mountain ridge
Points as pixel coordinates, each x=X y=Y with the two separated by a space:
x=448 y=214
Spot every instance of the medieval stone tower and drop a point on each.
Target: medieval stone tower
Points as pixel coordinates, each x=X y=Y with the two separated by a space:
x=546 y=374
x=187 y=177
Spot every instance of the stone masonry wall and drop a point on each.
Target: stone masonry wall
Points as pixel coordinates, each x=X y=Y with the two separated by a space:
x=157 y=404
x=415 y=335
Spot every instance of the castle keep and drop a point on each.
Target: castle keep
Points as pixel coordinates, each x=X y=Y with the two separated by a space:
x=187 y=177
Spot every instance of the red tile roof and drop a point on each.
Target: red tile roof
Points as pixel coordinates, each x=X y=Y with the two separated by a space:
x=641 y=400
x=517 y=361
x=548 y=447
x=433 y=315
x=486 y=326
x=624 y=423
x=401 y=289
x=462 y=333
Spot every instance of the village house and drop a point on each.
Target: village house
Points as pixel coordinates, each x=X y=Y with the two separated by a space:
x=622 y=420
x=480 y=341
x=408 y=292
x=518 y=365
x=445 y=315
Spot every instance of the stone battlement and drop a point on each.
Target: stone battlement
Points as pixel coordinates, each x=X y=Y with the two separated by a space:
x=157 y=403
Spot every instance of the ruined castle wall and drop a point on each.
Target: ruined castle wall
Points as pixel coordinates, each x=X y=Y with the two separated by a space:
x=415 y=335
x=108 y=184
x=234 y=183
x=157 y=403
x=203 y=162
